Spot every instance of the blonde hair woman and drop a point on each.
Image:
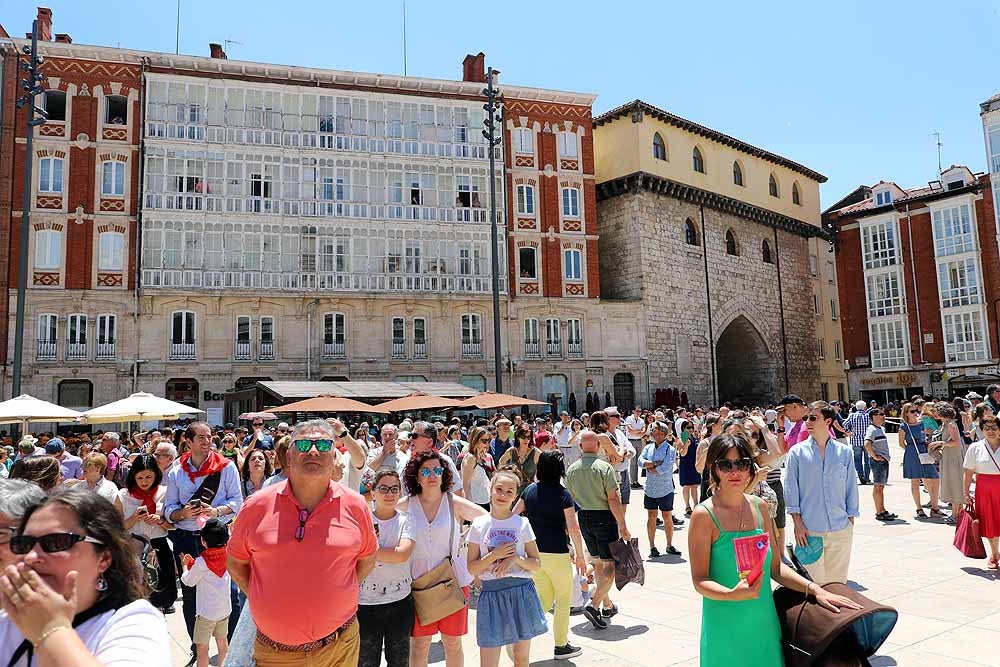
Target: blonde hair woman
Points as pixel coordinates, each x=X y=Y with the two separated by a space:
x=477 y=467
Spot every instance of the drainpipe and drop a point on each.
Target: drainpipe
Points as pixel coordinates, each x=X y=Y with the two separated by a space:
x=916 y=294
x=310 y=309
x=781 y=306
x=137 y=292
x=708 y=301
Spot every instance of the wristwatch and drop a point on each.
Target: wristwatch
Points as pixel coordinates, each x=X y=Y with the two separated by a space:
x=341 y=434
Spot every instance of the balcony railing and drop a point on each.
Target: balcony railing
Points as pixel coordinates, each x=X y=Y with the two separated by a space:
x=575 y=349
x=398 y=350
x=182 y=351
x=45 y=350
x=532 y=350
x=106 y=351
x=420 y=350
x=76 y=351
x=242 y=351
x=334 y=350
x=266 y=350
x=472 y=350
x=553 y=348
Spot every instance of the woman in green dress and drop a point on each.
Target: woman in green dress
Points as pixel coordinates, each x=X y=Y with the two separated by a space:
x=739 y=624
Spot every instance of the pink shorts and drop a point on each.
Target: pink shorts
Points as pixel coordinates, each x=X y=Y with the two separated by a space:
x=454 y=625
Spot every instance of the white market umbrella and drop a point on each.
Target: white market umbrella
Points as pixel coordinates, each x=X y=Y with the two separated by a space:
x=25 y=408
x=138 y=407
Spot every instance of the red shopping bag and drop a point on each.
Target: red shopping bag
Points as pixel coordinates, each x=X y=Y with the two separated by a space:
x=968 y=539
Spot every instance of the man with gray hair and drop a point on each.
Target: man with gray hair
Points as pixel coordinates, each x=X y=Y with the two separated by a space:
x=356 y=453
x=857 y=424
x=17 y=496
x=657 y=459
x=109 y=447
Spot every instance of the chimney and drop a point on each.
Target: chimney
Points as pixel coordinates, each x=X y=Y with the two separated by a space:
x=215 y=50
x=63 y=38
x=44 y=24
x=474 y=68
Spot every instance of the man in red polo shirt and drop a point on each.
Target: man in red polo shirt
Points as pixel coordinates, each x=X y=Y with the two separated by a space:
x=298 y=550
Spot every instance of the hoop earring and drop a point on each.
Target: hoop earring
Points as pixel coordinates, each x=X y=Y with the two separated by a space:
x=102 y=583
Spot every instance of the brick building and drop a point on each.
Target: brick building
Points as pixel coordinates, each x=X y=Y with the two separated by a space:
x=919 y=285
x=84 y=200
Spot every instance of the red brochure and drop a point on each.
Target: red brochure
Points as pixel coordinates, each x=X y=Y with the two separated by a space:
x=751 y=552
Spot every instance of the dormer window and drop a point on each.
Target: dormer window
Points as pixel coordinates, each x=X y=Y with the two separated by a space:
x=955 y=185
x=883 y=198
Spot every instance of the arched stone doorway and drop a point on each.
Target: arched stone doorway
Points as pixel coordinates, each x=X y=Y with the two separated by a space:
x=747 y=371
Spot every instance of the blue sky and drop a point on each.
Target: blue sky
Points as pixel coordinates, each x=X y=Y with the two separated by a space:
x=851 y=89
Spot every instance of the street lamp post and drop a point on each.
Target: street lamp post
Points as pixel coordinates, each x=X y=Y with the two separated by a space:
x=494 y=102
x=32 y=87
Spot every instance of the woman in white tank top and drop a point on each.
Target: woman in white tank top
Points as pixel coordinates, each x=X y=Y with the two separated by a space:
x=477 y=468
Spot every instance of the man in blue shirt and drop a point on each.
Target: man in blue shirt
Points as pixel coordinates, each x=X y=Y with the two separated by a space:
x=821 y=493
x=503 y=440
x=658 y=458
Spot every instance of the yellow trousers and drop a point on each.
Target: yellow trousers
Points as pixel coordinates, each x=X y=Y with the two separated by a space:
x=554 y=583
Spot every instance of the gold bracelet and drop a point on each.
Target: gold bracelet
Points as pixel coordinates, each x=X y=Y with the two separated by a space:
x=48 y=633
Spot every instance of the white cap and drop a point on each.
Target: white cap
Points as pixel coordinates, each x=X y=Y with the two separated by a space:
x=860 y=405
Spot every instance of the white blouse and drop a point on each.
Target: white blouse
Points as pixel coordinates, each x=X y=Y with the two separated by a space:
x=978 y=459
x=130 y=504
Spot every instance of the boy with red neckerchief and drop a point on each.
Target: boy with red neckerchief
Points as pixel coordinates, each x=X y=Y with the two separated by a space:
x=207 y=573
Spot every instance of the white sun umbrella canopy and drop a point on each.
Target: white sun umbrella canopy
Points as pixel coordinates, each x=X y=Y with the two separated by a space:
x=25 y=408
x=140 y=406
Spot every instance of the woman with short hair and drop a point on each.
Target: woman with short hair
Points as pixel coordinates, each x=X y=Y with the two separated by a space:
x=982 y=464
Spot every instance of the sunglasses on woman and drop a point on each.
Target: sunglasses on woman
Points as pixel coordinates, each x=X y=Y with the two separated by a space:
x=725 y=465
x=305 y=444
x=427 y=472
x=51 y=543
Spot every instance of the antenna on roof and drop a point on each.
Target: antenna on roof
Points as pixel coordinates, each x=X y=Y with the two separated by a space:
x=229 y=41
x=404 y=37
x=937 y=137
x=177 y=42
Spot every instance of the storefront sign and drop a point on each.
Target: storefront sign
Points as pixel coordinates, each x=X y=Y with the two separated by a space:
x=877 y=380
x=905 y=379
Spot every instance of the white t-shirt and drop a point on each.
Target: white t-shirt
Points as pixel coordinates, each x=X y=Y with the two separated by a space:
x=212 y=600
x=636 y=423
x=134 y=635
x=489 y=533
x=388 y=582
x=977 y=458
x=623 y=443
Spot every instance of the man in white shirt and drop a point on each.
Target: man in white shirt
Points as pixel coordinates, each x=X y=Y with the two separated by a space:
x=635 y=431
x=625 y=447
x=563 y=432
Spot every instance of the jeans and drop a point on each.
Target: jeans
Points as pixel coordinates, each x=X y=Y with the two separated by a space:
x=385 y=625
x=862 y=463
x=189 y=542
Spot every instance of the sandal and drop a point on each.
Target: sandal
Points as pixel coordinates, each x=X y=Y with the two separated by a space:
x=994 y=563
x=937 y=514
x=920 y=514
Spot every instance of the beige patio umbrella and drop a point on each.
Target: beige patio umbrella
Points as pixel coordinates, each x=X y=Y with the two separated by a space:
x=489 y=400
x=138 y=407
x=24 y=409
x=329 y=403
x=419 y=401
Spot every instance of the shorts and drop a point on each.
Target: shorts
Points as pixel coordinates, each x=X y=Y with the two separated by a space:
x=453 y=625
x=600 y=531
x=880 y=472
x=205 y=629
x=782 y=516
x=664 y=503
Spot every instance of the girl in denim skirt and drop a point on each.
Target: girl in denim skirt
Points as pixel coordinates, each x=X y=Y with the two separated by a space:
x=503 y=554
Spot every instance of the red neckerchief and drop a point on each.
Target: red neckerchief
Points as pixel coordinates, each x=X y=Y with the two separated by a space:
x=215 y=559
x=148 y=498
x=213 y=464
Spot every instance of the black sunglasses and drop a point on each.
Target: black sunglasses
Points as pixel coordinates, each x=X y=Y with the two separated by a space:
x=725 y=465
x=51 y=543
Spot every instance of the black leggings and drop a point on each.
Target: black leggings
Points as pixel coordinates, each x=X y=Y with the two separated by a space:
x=166 y=594
x=389 y=624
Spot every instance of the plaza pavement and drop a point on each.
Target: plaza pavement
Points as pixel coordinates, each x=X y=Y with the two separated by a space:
x=949 y=605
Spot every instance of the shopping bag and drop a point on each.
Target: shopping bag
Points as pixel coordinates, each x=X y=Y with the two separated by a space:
x=628 y=563
x=968 y=539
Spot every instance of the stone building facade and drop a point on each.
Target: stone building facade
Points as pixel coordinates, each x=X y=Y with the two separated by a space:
x=724 y=282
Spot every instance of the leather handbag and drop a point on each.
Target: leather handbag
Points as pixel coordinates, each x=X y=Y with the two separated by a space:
x=438 y=594
x=968 y=539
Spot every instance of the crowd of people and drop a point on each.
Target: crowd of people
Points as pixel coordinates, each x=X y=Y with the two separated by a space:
x=336 y=543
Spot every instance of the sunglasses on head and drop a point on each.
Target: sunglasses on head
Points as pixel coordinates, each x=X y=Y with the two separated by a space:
x=305 y=444
x=51 y=543
x=427 y=472
x=725 y=465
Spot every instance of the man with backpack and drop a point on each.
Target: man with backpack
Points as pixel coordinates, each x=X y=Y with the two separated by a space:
x=117 y=456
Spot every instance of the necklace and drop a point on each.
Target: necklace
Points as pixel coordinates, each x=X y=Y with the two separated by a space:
x=743 y=505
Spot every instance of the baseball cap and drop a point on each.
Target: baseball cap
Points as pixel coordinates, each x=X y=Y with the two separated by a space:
x=27 y=442
x=55 y=446
x=791 y=399
x=973 y=396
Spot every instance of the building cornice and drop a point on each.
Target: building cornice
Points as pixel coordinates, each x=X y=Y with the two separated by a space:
x=638 y=106
x=637 y=181
x=900 y=205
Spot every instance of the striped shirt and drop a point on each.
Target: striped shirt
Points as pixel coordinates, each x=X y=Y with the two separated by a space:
x=857 y=423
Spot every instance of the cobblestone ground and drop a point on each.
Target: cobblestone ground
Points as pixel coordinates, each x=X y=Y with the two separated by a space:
x=949 y=605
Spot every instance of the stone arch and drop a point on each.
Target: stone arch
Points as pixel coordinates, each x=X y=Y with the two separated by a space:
x=747 y=370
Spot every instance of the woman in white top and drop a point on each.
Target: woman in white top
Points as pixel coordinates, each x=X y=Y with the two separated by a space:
x=94 y=465
x=78 y=600
x=141 y=505
x=477 y=467
x=429 y=503
x=982 y=463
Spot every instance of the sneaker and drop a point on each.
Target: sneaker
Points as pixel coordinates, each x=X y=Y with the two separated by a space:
x=610 y=613
x=566 y=652
x=595 y=618
x=659 y=522
x=636 y=485
x=654 y=552
x=671 y=551
x=677 y=522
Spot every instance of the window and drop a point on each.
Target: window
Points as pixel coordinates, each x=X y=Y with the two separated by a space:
x=765 y=252
x=54 y=103
x=731 y=247
x=525 y=200
x=841 y=395
x=531 y=332
x=50 y=171
x=958 y=283
x=567 y=145
x=888 y=344
x=831 y=273
x=47 y=327
x=398 y=338
x=553 y=338
x=115 y=110
x=571 y=259
x=243 y=329
x=883 y=198
x=690 y=232
x=524 y=140
x=267 y=337
x=737 y=174
x=884 y=295
x=659 y=148
x=76 y=329
x=821 y=348
x=697 y=160
x=419 y=331
x=813 y=265
x=113 y=179
x=570 y=203
x=838 y=353
x=526 y=263
x=817 y=305
x=953 y=232
x=964 y=339
x=878 y=244
x=796 y=195
x=833 y=309
x=334 y=329
x=106 y=331
x=574 y=336
x=824 y=391
x=182 y=328
x=48 y=249
x=772 y=186
x=111 y=253
x=472 y=329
